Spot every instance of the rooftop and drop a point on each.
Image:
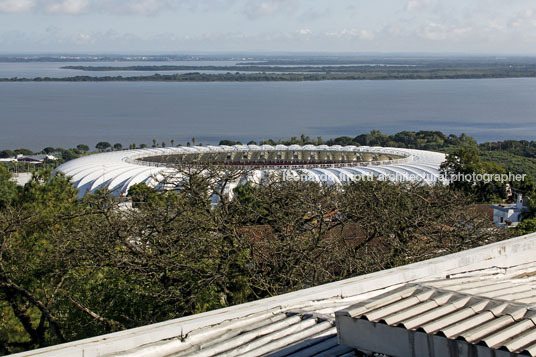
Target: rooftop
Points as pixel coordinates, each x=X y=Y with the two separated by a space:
x=481 y=298
x=491 y=308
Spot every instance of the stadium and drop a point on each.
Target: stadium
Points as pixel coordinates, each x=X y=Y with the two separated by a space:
x=117 y=171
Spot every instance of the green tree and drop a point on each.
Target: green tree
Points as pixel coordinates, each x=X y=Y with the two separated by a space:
x=103 y=145
x=229 y=142
x=530 y=211
x=467 y=140
x=464 y=161
x=118 y=146
x=463 y=167
x=526 y=187
x=37 y=239
x=69 y=155
x=141 y=193
x=8 y=188
x=342 y=140
x=83 y=148
x=493 y=190
x=4 y=154
x=24 y=152
x=527 y=226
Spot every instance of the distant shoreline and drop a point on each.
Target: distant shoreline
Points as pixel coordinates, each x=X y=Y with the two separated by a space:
x=277 y=77
x=248 y=68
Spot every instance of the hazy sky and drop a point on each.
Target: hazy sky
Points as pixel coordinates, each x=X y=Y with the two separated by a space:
x=471 y=26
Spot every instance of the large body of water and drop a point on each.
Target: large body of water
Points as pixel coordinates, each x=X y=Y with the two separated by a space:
x=35 y=115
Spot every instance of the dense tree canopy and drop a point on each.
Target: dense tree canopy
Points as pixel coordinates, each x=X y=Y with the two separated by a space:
x=23 y=151
x=4 y=154
x=73 y=268
x=468 y=173
x=526 y=226
x=8 y=189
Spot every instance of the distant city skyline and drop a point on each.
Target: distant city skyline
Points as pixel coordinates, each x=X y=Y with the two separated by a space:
x=182 y=26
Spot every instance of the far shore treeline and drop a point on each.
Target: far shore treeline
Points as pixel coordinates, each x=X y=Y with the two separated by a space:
x=281 y=77
x=268 y=72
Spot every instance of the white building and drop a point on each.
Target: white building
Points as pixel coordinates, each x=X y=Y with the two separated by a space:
x=509 y=214
x=36 y=159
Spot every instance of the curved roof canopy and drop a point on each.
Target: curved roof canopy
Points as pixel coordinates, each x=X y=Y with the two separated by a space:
x=119 y=170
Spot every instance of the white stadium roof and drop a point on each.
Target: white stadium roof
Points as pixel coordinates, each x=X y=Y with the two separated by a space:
x=119 y=170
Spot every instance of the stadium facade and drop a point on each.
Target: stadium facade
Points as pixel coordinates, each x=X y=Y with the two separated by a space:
x=117 y=171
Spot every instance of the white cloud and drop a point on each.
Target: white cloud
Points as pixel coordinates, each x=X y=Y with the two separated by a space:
x=71 y=7
x=84 y=38
x=441 y=32
x=74 y=7
x=430 y=25
x=366 y=35
x=525 y=19
x=434 y=31
x=14 y=6
x=122 y=7
x=140 y=7
x=461 y=31
x=147 y=7
x=352 y=33
x=417 y=4
x=260 y=8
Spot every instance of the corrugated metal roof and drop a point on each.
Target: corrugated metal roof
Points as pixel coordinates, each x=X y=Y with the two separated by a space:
x=306 y=331
x=491 y=308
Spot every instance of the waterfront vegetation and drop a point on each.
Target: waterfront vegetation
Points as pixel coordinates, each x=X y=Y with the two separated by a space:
x=424 y=71
x=285 y=77
x=315 y=71
x=73 y=268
